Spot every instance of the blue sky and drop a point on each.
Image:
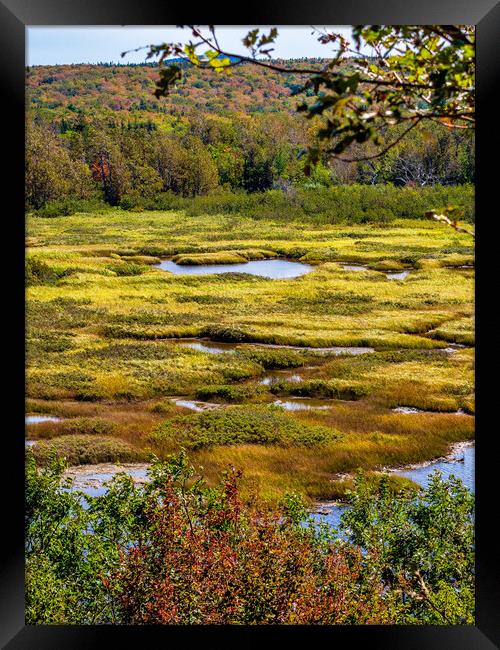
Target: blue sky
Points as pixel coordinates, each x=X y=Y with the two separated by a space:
x=60 y=45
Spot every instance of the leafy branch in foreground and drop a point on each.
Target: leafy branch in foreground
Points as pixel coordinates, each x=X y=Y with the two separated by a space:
x=413 y=73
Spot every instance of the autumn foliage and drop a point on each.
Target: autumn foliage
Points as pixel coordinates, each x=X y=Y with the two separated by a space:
x=223 y=564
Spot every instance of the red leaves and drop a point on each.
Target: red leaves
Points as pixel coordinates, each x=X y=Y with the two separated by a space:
x=211 y=560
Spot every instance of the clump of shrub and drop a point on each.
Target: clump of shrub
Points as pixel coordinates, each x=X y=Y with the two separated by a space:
x=229 y=392
x=90 y=426
x=38 y=272
x=274 y=358
x=127 y=268
x=69 y=206
x=259 y=424
x=85 y=450
x=320 y=388
x=228 y=333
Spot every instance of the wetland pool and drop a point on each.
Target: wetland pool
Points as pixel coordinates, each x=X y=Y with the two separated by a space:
x=275 y=269
x=215 y=347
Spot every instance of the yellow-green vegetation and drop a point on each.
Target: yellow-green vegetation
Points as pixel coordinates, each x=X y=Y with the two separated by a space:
x=106 y=344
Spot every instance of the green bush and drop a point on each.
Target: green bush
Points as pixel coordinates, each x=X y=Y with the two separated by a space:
x=337 y=204
x=274 y=358
x=67 y=207
x=320 y=388
x=227 y=333
x=85 y=450
x=38 y=272
x=229 y=392
x=157 y=548
x=127 y=268
x=264 y=425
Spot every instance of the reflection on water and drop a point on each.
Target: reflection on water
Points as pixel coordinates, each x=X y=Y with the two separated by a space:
x=91 y=479
x=34 y=419
x=280 y=376
x=409 y=410
x=194 y=405
x=295 y=404
x=355 y=267
x=273 y=269
x=400 y=275
x=207 y=346
x=338 y=349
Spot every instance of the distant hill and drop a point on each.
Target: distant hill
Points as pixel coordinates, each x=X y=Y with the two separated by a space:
x=118 y=92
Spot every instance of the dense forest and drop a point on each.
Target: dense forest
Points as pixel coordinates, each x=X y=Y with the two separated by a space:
x=98 y=134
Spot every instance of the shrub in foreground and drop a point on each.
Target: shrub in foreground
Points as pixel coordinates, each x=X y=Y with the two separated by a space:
x=174 y=551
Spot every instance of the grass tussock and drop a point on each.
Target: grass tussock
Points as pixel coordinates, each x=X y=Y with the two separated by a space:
x=320 y=388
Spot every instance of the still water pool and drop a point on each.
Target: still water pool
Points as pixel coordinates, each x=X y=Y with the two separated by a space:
x=273 y=269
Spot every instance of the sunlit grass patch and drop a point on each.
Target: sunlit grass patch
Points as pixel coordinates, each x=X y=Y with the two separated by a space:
x=460 y=330
x=225 y=257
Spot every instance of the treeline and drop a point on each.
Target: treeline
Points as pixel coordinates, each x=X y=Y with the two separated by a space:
x=98 y=134
x=133 y=165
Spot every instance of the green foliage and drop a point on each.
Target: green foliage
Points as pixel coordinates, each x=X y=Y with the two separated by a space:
x=340 y=204
x=242 y=425
x=124 y=148
x=229 y=392
x=38 y=272
x=422 y=544
x=320 y=388
x=127 y=269
x=412 y=73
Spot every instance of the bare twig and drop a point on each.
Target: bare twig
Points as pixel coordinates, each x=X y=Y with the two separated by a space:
x=446 y=220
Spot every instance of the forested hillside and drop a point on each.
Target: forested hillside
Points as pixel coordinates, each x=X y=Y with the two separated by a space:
x=97 y=133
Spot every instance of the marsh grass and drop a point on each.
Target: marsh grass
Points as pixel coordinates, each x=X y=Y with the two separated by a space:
x=104 y=346
x=320 y=388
